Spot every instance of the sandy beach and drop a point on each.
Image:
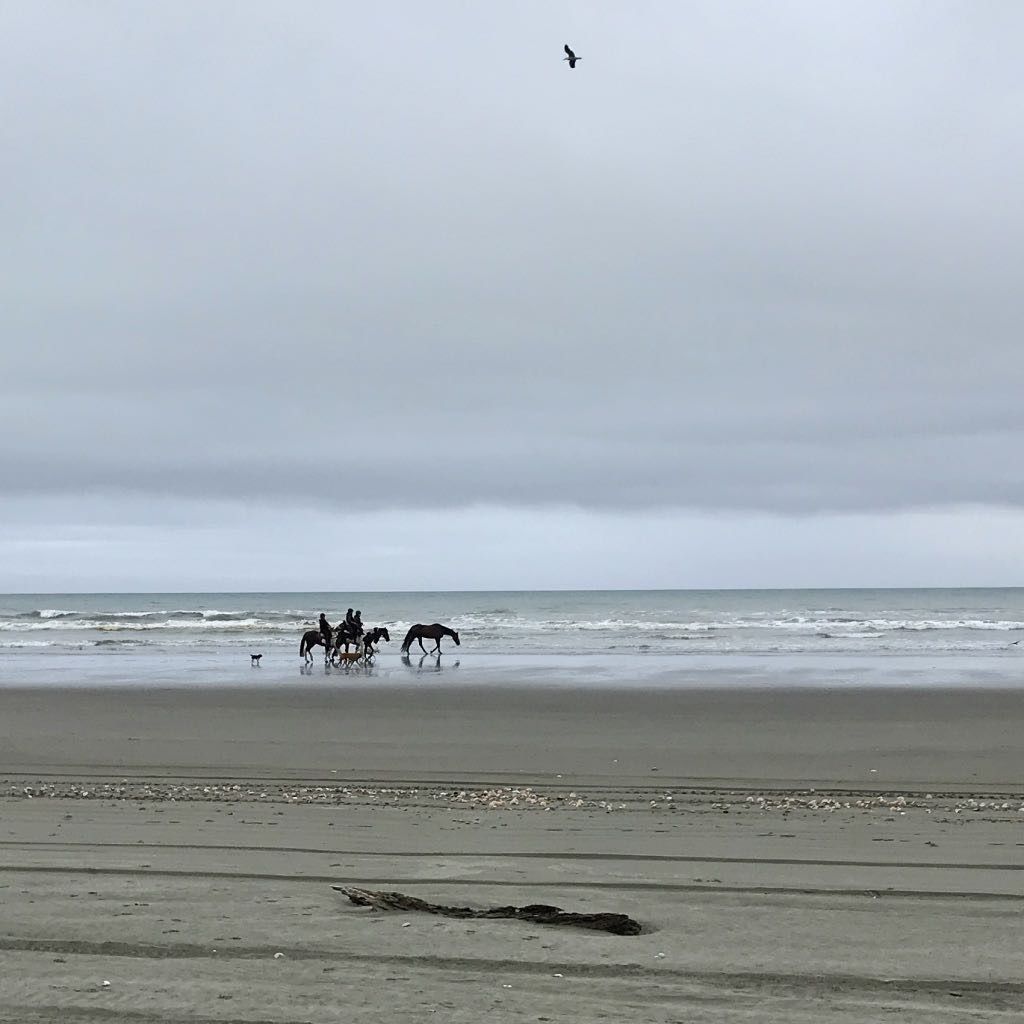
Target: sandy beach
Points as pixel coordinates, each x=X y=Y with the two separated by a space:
x=792 y=855
x=507 y=513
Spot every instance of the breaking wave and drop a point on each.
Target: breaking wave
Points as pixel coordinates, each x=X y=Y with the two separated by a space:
x=719 y=622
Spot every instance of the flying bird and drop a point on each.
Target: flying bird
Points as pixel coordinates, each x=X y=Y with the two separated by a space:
x=572 y=58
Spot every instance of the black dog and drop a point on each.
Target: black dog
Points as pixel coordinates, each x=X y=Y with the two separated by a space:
x=255 y=660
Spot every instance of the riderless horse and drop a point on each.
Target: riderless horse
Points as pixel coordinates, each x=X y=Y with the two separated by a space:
x=375 y=635
x=432 y=632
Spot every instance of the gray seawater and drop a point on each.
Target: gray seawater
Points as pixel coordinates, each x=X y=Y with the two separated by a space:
x=960 y=638
x=983 y=621
x=930 y=622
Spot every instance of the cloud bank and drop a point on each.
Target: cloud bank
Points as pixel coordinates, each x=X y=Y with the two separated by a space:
x=759 y=263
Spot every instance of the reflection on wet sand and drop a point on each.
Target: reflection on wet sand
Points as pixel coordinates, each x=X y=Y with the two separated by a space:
x=427 y=663
x=346 y=668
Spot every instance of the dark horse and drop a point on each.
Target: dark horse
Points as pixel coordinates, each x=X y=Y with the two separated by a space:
x=310 y=639
x=367 y=640
x=347 y=635
x=374 y=636
x=432 y=632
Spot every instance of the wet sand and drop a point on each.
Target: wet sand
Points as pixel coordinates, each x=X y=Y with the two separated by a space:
x=795 y=856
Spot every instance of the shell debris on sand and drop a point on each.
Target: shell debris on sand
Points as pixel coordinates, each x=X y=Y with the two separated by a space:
x=492 y=798
x=979 y=806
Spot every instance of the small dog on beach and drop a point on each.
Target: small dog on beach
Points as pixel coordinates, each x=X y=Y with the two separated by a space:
x=255 y=660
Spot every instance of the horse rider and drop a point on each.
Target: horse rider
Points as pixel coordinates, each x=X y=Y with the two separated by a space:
x=353 y=625
x=357 y=621
x=325 y=631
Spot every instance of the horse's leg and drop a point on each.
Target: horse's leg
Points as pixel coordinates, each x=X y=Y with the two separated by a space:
x=422 y=648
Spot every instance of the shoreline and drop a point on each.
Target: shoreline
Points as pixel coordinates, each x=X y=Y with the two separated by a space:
x=95 y=669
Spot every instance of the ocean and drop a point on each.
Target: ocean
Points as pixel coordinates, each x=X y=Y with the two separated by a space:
x=636 y=623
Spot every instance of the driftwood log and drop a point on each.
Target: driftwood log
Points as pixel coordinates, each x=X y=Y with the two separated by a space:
x=536 y=913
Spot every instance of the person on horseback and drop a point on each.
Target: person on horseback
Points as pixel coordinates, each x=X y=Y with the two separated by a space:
x=353 y=625
x=325 y=631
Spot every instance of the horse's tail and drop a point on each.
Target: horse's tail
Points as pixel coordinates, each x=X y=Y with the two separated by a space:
x=302 y=647
x=409 y=637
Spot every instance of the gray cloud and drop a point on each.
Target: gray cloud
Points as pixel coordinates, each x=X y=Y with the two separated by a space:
x=400 y=257
x=125 y=543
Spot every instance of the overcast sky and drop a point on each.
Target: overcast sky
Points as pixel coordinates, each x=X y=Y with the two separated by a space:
x=385 y=296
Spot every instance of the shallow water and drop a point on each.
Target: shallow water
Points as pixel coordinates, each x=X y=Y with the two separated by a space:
x=283 y=669
x=798 y=637
x=724 y=621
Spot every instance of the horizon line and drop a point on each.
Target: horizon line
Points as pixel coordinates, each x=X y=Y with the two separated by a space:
x=514 y=590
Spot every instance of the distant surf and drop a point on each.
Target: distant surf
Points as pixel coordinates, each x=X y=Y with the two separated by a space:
x=563 y=622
